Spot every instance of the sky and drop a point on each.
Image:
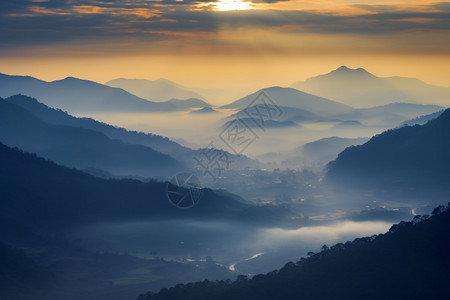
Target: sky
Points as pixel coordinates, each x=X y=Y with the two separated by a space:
x=234 y=44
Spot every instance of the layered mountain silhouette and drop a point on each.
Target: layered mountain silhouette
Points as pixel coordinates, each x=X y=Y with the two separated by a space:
x=40 y=193
x=289 y=97
x=78 y=147
x=156 y=142
x=410 y=261
x=42 y=203
x=359 y=88
x=417 y=156
x=78 y=96
x=158 y=90
x=389 y=115
x=59 y=117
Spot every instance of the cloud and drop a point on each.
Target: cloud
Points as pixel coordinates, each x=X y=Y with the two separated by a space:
x=29 y=23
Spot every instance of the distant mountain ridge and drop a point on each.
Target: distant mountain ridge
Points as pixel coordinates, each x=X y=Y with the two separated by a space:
x=393 y=110
x=79 y=147
x=59 y=117
x=158 y=90
x=289 y=97
x=78 y=96
x=359 y=88
x=387 y=116
x=161 y=144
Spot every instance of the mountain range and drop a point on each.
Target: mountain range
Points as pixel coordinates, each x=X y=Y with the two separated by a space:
x=359 y=88
x=46 y=193
x=163 y=89
x=158 y=90
x=78 y=147
x=155 y=142
x=59 y=117
x=354 y=87
x=385 y=116
x=81 y=96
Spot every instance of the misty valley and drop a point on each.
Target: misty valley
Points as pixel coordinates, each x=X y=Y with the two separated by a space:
x=335 y=187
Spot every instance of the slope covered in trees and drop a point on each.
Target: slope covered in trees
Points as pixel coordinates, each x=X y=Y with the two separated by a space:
x=412 y=155
x=39 y=192
x=156 y=142
x=410 y=261
x=79 y=147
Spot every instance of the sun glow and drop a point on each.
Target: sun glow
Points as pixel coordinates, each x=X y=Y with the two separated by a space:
x=226 y=5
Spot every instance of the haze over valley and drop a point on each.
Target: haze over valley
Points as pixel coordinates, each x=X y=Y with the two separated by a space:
x=224 y=150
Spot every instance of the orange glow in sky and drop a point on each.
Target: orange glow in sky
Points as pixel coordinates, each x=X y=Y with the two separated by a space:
x=228 y=43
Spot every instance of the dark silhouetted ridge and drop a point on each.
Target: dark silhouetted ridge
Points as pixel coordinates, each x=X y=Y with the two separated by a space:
x=79 y=147
x=39 y=192
x=414 y=155
x=344 y=70
x=411 y=261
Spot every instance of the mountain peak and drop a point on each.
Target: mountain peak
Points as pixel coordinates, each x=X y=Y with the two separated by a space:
x=344 y=70
x=70 y=78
